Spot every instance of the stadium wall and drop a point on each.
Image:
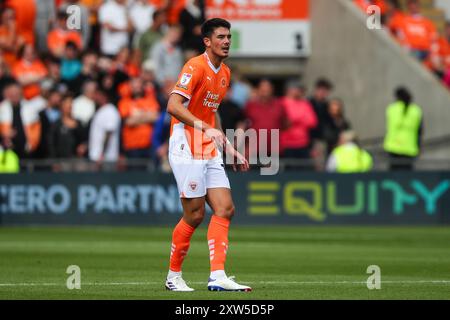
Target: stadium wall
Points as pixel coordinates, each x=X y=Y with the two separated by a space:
x=366 y=66
x=288 y=198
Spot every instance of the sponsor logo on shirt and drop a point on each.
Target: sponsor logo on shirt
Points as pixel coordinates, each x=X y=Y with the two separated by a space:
x=211 y=101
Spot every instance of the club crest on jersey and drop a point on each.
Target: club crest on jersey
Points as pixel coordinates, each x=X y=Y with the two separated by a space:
x=193 y=185
x=223 y=82
x=185 y=79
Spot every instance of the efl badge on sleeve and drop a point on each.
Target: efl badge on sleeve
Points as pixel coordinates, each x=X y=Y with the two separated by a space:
x=185 y=79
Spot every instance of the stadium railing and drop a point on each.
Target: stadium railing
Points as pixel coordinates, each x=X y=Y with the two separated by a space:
x=381 y=163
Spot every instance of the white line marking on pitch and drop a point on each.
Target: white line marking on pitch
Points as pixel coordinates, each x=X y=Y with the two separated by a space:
x=51 y=284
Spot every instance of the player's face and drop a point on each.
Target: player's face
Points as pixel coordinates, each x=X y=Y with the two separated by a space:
x=220 y=42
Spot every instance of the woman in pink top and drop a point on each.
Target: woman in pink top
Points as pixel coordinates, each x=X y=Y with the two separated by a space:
x=295 y=141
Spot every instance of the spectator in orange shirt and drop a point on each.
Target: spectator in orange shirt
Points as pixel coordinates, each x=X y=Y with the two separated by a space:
x=59 y=37
x=25 y=18
x=439 y=56
x=138 y=114
x=417 y=33
x=10 y=41
x=394 y=16
x=29 y=71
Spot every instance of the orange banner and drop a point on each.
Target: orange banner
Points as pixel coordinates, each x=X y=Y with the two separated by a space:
x=258 y=9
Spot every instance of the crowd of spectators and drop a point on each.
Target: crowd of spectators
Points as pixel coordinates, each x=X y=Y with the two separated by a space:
x=98 y=93
x=416 y=33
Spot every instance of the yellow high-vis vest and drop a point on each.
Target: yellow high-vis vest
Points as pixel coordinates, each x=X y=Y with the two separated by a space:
x=352 y=159
x=402 y=129
x=9 y=162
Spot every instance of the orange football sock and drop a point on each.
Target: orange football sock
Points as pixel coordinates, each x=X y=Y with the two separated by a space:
x=218 y=242
x=181 y=238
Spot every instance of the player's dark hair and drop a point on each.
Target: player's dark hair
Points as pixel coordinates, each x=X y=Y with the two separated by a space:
x=210 y=25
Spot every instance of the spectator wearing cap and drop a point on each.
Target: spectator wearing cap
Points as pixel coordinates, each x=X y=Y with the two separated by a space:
x=60 y=36
x=348 y=156
x=29 y=71
x=295 y=140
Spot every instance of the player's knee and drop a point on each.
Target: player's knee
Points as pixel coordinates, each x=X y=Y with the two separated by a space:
x=226 y=212
x=196 y=217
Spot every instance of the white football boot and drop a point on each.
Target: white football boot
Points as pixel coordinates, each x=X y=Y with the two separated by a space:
x=226 y=284
x=177 y=284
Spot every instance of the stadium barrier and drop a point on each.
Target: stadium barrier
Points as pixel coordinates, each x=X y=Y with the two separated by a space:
x=137 y=198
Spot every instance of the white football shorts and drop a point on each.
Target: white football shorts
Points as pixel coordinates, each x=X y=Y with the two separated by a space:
x=194 y=176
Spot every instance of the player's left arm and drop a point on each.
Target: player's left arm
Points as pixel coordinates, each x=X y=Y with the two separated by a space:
x=241 y=162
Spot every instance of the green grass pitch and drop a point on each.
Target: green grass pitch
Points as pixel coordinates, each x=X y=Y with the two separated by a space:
x=278 y=262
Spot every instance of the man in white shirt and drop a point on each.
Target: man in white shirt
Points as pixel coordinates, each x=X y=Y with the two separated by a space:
x=104 y=132
x=141 y=15
x=83 y=107
x=115 y=26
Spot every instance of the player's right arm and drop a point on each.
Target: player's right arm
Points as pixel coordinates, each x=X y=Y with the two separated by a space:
x=189 y=81
x=176 y=108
